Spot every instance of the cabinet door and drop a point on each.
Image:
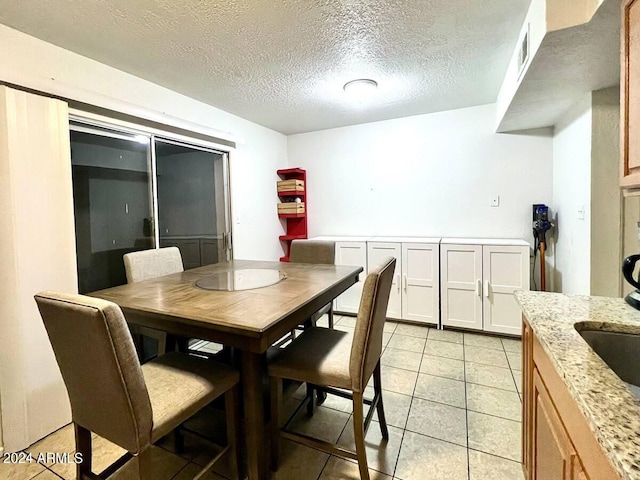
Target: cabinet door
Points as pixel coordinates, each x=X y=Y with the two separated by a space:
x=527 y=400
x=552 y=450
x=421 y=282
x=376 y=253
x=505 y=270
x=353 y=254
x=461 y=285
x=630 y=95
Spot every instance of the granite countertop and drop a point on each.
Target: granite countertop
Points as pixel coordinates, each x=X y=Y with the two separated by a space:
x=611 y=409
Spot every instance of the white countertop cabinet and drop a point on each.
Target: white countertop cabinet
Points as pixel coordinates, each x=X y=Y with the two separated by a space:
x=478 y=278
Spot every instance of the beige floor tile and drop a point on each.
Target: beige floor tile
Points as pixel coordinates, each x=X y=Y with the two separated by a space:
x=398 y=380
x=191 y=470
x=497 y=436
x=338 y=403
x=165 y=466
x=437 y=420
x=104 y=453
x=483 y=466
x=515 y=360
x=326 y=424
x=425 y=458
x=496 y=377
x=385 y=338
x=19 y=471
x=47 y=475
x=412 y=330
x=444 y=349
x=323 y=321
x=485 y=341
x=494 y=401
x=382 y=455
x=390 y=326
x=396 y=408
x=404 y=342
x=298 y=462
x=445 y=336
x=60 y=441
x=486 y=356
x=442 y=367
x=347 y=322
x=512 y=344
x=341 y=469
x=440 y=389
x=343 y=328
x=401 y=359
x=517 y=377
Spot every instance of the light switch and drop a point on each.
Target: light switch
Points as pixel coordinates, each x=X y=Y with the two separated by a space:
x=495 y=200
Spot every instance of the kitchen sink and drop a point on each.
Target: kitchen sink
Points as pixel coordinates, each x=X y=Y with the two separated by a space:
x=620 y=351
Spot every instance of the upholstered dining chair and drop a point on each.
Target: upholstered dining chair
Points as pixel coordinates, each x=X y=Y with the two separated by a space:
x=115 y=397
x=334 y=360
x=143 y=265
x=317 y=252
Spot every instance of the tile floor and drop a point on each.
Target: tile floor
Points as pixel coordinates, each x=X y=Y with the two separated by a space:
x=452 y=402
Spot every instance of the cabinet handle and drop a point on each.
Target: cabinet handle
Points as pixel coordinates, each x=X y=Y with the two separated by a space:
x=398 y=282
x=479 y=287
x=405 y=281
x=486 y=288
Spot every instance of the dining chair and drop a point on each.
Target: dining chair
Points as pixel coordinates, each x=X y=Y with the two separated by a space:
x=339 y=362
x=316 y=252
x=112 y=395
x=143 y=265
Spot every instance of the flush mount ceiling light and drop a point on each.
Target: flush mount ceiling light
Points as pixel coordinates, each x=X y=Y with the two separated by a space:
x=360 y=89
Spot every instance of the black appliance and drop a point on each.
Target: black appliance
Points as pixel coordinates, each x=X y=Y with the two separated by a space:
x=628 y=266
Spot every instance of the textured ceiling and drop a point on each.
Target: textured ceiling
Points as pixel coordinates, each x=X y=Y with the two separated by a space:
x=282 y=64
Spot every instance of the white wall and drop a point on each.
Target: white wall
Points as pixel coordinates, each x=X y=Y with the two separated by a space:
x=30 y=62
x=430 y=175
x=606 y=196
x=571 y=192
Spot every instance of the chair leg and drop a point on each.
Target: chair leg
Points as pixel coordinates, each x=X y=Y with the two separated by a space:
x=311 y=399
x=276 y=397
x=83 y=447
x=231 y=403
x=330 y=315
x=145 y=465
x=358 y=434
x=377 y=387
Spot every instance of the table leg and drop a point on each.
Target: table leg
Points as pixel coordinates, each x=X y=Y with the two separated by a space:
x=256 y=442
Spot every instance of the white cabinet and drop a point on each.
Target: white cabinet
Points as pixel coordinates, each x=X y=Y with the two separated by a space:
x=376 y=253
x=421 y=282
x=478 y=278
x=353 y=253
x=416 y=284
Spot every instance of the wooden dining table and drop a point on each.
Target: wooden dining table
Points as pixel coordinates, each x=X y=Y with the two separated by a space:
x=248 y=320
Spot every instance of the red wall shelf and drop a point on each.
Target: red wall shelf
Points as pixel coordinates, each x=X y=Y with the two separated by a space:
x=296 y=223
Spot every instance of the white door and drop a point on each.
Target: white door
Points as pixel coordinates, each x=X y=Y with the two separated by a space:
x=505 y=269
x=352 y=254
x=421 y=282
x=461 y=285
x=376 y=254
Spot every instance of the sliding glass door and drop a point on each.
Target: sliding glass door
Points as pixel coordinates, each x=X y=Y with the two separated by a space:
x=191 y=202
x=134 y=191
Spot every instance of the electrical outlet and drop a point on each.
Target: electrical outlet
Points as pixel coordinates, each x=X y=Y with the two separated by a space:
x=495 y=200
